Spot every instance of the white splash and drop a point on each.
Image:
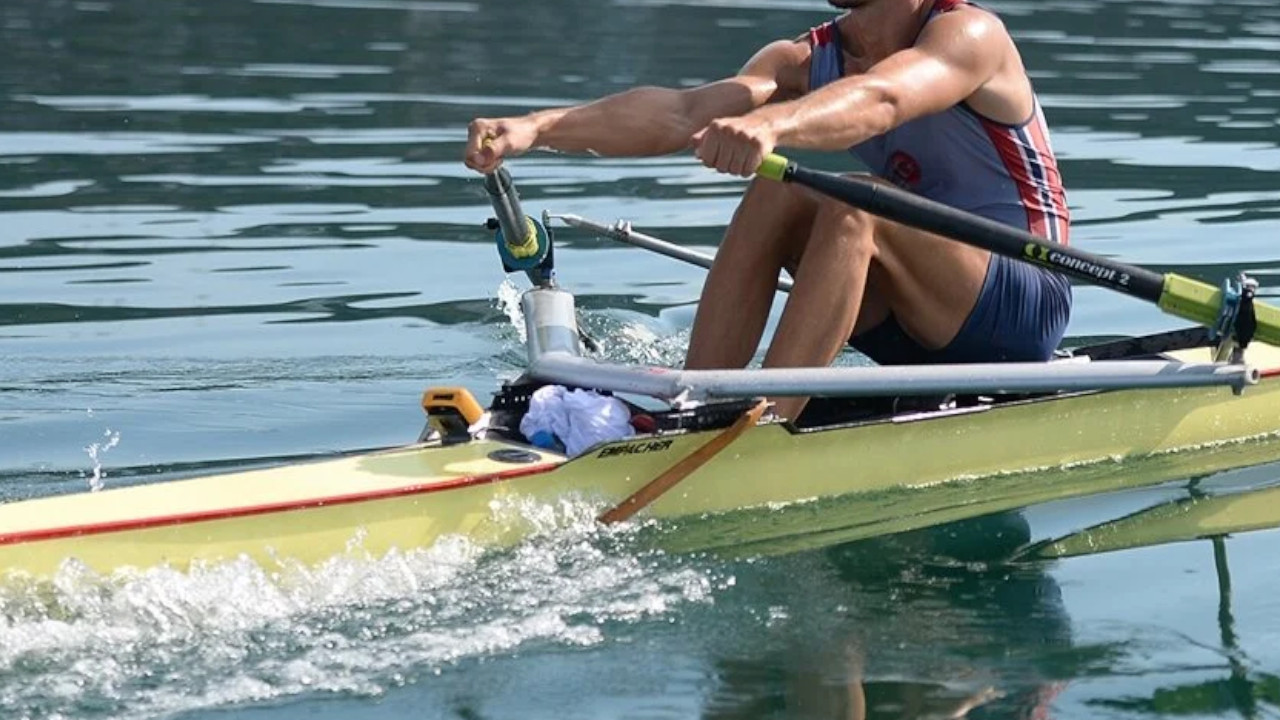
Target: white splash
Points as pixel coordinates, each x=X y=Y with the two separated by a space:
x=160 y=643
x=96 y=451
x=509 y=303
x=635 y=339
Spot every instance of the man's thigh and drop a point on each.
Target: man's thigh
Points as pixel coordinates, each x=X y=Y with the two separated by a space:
x=931 y=283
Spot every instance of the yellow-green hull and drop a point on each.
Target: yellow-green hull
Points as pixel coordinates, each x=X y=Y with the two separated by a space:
x=408 y=498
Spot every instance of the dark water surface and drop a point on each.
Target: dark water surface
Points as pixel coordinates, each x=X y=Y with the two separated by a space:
x=236 y=231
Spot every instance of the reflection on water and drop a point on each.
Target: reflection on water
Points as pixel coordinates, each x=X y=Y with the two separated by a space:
x=239 y=231
x=917 y=618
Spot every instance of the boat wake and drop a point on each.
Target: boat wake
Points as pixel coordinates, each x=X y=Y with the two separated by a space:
x=164 y=642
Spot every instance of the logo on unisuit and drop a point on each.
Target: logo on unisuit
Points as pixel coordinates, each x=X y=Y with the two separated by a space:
x=904 y=170
x=635 y=448
x=1055 y=259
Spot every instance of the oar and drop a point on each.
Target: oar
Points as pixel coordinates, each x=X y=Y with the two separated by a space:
x=1175 y=294
x=623 y=233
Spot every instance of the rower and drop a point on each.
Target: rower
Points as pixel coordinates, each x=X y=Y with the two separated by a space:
x=931 y=95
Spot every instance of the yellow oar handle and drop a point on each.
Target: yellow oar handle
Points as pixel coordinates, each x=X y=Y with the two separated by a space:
x=1201 y=302
x=774 y=167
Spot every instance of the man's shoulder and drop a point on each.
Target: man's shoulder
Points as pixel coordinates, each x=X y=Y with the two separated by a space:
x=966 y=21
x=791 y=51
x=974 y=42
x=786 y=61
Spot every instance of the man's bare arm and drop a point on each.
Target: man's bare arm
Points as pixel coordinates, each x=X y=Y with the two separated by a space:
x=956 y=55
x=640 y=122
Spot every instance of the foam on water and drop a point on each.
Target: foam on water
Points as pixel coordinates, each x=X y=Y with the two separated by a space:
x=637 y=340
x=159 y=642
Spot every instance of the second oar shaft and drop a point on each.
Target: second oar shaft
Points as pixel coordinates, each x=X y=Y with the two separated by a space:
x=622 y=232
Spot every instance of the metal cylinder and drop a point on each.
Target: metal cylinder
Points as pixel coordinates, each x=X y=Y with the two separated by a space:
x=551 y=323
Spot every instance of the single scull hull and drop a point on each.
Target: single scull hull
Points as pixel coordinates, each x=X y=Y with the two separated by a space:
x=408 y=498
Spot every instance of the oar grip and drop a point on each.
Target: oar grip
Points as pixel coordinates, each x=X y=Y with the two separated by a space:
x=774 y=167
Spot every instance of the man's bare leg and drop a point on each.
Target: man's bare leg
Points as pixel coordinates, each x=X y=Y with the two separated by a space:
x=929 y=283
x=824 y=303
x=851 y=269
x=770 y=222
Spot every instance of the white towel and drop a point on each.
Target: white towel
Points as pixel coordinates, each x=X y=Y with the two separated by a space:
x=579 y=419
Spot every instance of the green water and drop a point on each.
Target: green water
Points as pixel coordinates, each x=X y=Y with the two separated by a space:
x=237 y=231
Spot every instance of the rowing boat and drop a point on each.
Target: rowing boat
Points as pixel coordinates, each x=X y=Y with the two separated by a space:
x=707 y=449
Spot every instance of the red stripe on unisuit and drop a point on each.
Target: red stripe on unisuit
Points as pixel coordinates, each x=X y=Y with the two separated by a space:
x=1053 y=178
x=1010 y=152
x=821 y=35
x=1039 y=182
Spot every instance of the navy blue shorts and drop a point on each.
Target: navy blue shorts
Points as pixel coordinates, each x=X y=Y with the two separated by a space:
x=1020 y=316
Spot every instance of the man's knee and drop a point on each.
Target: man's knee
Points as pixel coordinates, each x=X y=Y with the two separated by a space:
x=776 y=197
x=837 y=222
x=775 y=218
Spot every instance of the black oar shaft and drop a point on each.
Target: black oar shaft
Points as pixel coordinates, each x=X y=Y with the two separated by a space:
x=912 y=210
x=1173 y=293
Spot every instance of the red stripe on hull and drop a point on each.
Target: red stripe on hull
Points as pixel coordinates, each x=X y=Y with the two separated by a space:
x=251 y=510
